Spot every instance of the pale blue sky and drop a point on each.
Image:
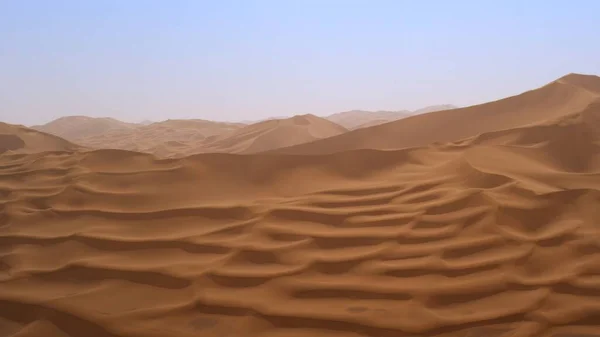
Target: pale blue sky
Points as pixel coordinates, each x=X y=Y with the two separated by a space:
x=240 y=60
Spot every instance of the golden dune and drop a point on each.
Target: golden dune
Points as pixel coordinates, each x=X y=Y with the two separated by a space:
x=490 y=232
x=569 y=94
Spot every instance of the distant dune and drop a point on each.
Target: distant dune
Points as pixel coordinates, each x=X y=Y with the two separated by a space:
x=19 y=139
x=74 y=128
x=433 y=108
x=492 y=234
x=272 y=134
x=164 y=139
x=357 y=119
x=177 y=138
x=567 y=95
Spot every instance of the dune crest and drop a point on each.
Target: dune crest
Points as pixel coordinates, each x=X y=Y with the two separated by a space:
x=272 y=134
x=164 y=139
x=490 y=235
x=565 y=96
x=180 y=138
x=357 y=119
x=74 y=128
x=19 y=139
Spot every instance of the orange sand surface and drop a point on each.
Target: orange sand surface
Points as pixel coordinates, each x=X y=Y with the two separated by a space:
x=567 y=95
x=180 y=138
x=495 y=233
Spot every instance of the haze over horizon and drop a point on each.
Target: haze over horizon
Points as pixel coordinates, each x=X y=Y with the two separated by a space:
x=250 y=60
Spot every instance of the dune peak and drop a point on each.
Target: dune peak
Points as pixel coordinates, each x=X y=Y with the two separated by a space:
x=353 y=234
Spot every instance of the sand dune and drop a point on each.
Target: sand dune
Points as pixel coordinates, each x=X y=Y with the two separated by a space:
x=74 y=128
x=433 y=108
x=179 y=138
x=491 y=235
x=163 y=139
x=356 y=119
x=271 y=134
x=566 y=95
x=19 y=139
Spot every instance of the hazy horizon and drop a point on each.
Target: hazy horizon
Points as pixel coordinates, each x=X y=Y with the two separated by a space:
x=250 y=60
x=250 y=121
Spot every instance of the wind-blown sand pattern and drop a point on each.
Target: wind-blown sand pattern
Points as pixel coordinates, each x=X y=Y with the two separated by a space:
x=356 y=119
x=19 y=139
x=162 y=139
x=494 y=235
x=181 y=138
x=567 y=95
x=75 y=128
x=271 y=134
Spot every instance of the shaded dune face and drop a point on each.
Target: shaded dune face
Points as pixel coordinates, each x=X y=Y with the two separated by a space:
x=10 y=142
x=271 y=134
x=567 y=95
x=356 y=119
x=180 y=138
x=491 y=235
x=19 y=139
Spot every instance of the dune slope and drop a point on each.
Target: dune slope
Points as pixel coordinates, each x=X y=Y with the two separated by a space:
x=180 y=138
x=20 y=139
x=272 y=134
x=164 y=139
x=74 y=128
x=493 y=235
x=566 y=95
x=355 y=119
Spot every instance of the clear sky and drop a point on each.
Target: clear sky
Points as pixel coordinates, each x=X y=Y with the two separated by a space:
x=244 y=60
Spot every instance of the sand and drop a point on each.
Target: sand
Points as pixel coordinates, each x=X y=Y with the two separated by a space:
x=169 y=138
x=271 y=134
x=567 y=95
x=180 y=138
x=164 y=139
x=491 y=235
x=74 y=128
x=358 y=119
x=20 y=139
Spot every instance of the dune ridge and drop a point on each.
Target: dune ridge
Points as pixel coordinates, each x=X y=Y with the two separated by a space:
x=567 y=95
x=495 y=234
x=20 y=139
x=271 y=134
x=164 y=139
x=180 y=138
x=357 y=119
x=74 y=128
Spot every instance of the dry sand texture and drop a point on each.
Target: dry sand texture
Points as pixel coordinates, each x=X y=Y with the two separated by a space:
x=495 y=234
x=564 y=96
x=180 y=138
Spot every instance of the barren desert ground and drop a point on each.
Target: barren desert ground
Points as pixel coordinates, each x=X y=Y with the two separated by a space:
x=485 y=223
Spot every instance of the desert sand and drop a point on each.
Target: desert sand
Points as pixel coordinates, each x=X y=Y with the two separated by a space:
x=164 y=139
x=168 y=138
x=357 y=119
x=272 y=134
x=491 y=234
x=569 y=94
x=180 y=138
x=20 y=139
x=75 y=128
